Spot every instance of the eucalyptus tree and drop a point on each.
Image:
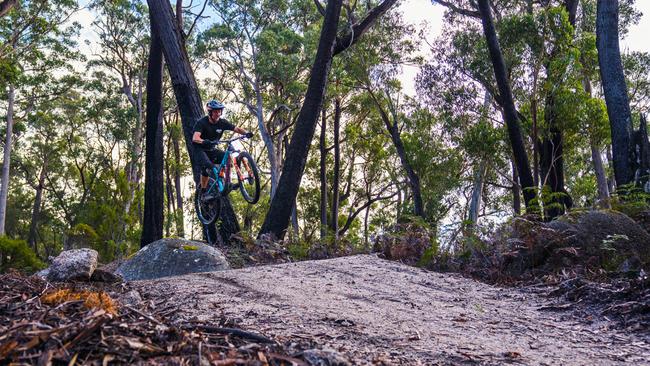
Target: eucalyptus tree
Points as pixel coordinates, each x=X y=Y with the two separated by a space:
x=34 y=40
x=329 y=45
x=121 y=27
x=188 y=99
x=615 y=90
x=152 y=225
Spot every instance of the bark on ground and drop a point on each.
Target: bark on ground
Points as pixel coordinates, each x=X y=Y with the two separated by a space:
x=381 y=312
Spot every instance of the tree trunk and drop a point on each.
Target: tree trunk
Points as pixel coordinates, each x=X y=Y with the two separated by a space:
x=334 y=224
x=615 y=90
x=187 y=95
x=597 y=160
x=6 y=162
x=152 y=227
x=179 y=213
x=414 y=179
x=516 y=190
x=323 y=176
x=36 y=210
x=170 y=197
x=552 y=162
x=552 y=146
x=477 y=194
x=611 y=182
x=277 y=218
x=510 y=113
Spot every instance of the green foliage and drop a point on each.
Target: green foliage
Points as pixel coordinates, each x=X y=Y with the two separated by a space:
x=18 y=255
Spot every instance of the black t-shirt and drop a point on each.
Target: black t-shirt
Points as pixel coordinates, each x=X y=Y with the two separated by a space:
x=211 y=131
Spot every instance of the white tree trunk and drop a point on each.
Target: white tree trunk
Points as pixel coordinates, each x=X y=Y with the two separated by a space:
x=4 y=183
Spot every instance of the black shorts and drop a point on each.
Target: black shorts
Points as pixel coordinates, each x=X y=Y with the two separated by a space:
x=207 y=158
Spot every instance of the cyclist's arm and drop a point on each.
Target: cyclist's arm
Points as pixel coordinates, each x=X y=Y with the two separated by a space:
x=240 y=131
x=196 y=138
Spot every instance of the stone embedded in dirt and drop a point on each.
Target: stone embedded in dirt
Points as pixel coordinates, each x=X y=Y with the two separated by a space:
x=131 y=298
x=75 y=264
x=172 y=257
x=325 y=357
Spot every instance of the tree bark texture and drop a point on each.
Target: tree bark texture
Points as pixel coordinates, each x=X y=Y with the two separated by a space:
x=477 y=194
x=510 y=113
x=187 y=95
x=516 y=189
x=414 y=179
x=336 y=181
x=6 y=5
x=36 y=210
x=615 y=90
x=152 y=227
x=323 y=175
x=277 y=218
x=6 y=162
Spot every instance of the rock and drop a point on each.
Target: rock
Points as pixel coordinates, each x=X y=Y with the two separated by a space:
x=607 y=240
x=42 y=274
x=325 y=357
x=172 y=257
x=102 y=275
x=131 y=298
x=75 y=264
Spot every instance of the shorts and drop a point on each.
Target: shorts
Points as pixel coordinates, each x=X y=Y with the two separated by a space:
x=207 y=158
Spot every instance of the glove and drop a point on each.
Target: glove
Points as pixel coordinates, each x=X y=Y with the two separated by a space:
x=208 y=143
x=248 y=134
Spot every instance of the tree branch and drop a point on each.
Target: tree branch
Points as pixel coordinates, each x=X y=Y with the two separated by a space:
x=360 y=29
x=456 y=9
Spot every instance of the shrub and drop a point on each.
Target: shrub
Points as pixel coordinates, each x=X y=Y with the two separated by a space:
x=18 y=255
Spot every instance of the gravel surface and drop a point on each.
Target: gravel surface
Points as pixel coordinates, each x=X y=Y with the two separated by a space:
x=382 y=312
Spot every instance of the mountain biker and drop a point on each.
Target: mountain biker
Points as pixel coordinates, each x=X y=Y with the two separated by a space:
x=207 y=130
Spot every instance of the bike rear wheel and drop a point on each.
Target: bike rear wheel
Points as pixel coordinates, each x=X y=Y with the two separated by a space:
x=208 y=212
x=249 y=181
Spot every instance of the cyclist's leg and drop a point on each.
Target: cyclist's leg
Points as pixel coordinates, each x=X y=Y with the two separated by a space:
x=203 y=160
x=216 y=156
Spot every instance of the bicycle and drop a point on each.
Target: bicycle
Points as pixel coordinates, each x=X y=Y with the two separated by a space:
x=219 y=181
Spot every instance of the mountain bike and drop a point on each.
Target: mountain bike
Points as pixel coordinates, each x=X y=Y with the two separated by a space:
x=235 y=162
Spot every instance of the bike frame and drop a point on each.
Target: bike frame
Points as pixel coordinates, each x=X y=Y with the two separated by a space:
x=220 y=184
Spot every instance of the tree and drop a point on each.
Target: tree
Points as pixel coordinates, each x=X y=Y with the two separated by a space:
x=277 y=219
x=187 y=98
x=615 y=90
x=152 y=226
x=27 y=34
x=510 y=113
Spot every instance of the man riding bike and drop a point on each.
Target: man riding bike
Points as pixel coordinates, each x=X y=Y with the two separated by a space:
x=206 y=130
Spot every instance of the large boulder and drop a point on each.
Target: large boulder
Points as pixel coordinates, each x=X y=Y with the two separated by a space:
x=172 y=257
x=72 y=265
x=594 y=240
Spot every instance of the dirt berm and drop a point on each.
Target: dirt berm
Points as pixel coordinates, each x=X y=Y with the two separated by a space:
x=381 y=312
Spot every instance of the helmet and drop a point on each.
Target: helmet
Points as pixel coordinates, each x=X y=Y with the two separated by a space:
x=214 y=104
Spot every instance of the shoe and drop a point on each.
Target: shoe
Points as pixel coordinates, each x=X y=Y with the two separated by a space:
x=207 y=197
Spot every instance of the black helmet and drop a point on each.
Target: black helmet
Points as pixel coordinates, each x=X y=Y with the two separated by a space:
x=214 y=104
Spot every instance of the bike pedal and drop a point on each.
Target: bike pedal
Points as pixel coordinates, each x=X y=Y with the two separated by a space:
x=234 y=186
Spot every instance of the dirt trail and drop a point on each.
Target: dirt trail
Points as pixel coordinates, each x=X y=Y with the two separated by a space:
x=374 y=310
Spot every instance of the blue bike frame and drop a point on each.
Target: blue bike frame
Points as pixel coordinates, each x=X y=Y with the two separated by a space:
x=219 y=184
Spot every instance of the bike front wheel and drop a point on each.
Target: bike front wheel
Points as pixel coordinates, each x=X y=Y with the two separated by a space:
x=249 y=180
x=208 y=212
